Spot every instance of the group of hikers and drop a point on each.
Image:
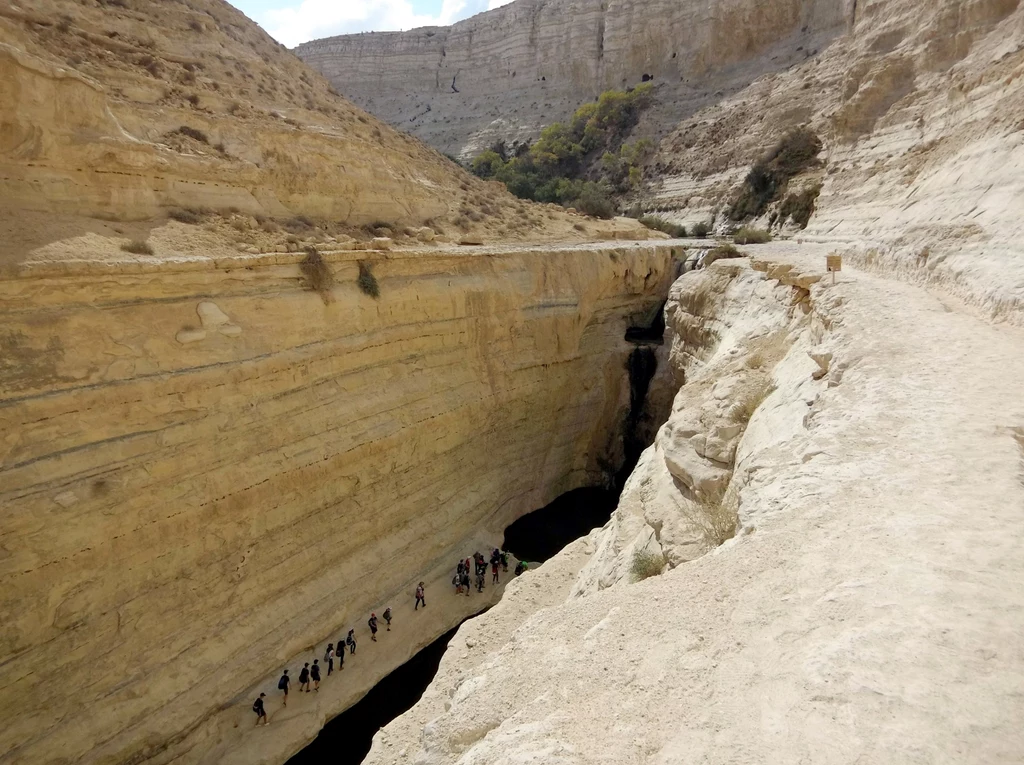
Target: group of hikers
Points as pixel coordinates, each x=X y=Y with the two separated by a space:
x=311 y=675
x=479 y=568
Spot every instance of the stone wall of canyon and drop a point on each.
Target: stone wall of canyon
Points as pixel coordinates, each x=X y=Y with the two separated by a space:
x=207 y=468
x=532 y=62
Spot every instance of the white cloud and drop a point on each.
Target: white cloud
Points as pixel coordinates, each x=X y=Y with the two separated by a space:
x=311 y=19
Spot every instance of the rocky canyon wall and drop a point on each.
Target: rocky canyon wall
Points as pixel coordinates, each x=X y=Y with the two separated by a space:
x=508 y=72
x=920 y=172
x=206 y=468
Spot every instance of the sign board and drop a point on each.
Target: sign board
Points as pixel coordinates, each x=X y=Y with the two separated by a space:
x=833 y=262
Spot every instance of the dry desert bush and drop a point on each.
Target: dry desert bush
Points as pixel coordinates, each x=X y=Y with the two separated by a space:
x=645 y=564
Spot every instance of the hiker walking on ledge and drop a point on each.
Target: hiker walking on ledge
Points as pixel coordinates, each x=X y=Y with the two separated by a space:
x=329 y=658
x=350 y=641
x=373 y=627
x=420 y=597
x=261 y=713
x=387 y=617
x=282 y=685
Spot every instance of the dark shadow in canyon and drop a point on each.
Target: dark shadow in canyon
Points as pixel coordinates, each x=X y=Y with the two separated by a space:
x=346 y=739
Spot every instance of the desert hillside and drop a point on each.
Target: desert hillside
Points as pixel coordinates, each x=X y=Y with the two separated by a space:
x=118 y=114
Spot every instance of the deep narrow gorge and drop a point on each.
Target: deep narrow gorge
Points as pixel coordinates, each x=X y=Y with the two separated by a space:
x=311 y=459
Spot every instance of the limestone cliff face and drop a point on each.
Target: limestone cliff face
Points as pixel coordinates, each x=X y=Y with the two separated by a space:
x=205 y=469
x=532 y=62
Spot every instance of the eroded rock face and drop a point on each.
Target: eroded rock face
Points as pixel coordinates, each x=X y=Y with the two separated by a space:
x=533 y=62
x=213 y=468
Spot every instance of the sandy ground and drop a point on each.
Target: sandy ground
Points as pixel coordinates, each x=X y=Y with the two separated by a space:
x=873 y=610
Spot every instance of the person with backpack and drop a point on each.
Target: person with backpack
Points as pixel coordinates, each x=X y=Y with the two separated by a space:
x=304 y=677
x=457 y=580
x=520 y=567
x=465 y=581
x=282 y=685
x=387 y=617
x=329 y=658
x=350 y=641
x=373 y=627
x=314 y=675
x=261 y=713
x=339 y=654
x=504 y=561
x=480 y=580
x=420 y=592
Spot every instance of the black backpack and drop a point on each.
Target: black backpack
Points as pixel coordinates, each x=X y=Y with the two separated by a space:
x=282 y=683
x=256 y=707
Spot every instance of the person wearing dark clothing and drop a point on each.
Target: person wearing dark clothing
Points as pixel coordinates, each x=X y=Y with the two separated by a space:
x=504 y=561
x=314 y=674
x=340 y=655
x=387 y=617
x=373 y=627
x=282 y=685
x=350 y=641
x=304 y=677
x=420 y=597
x=261 y=713
x=329 y=658
x=494 y=573
x=465 y=581
x=480 y=581
x=520 y=568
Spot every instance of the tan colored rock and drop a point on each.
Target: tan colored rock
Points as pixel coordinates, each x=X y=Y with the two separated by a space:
x=238 y=499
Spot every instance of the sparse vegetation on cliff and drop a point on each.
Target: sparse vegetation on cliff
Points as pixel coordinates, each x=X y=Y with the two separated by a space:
x=769 y=176
x=646 y=564
x=137 y=247
x=579 y=164
x=799 y=207
x=318 y=275
x=660 y=224
x=748 y=235
x=367 y=281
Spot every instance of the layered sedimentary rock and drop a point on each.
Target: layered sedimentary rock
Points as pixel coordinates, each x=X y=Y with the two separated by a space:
x=206 y=467
x=917 y=108
x=868 y=606
x=126 y=110
x=508 y=72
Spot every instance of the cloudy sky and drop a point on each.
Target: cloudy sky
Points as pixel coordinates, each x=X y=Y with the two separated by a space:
x=295 y=21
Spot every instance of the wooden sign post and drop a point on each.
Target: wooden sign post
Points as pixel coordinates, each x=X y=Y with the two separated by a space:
x=833 y=263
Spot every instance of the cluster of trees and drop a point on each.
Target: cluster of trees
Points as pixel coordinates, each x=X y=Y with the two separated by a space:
x=579 y=164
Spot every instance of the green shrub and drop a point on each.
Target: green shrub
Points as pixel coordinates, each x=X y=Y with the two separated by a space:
x=367 y=281
x=595 y=201
x=748 y=235
x=769 y=176
x=646 y=564
x=138 y=247
x=590 y=146
x=660 y=224
x=700 y=230
x=800 y=207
